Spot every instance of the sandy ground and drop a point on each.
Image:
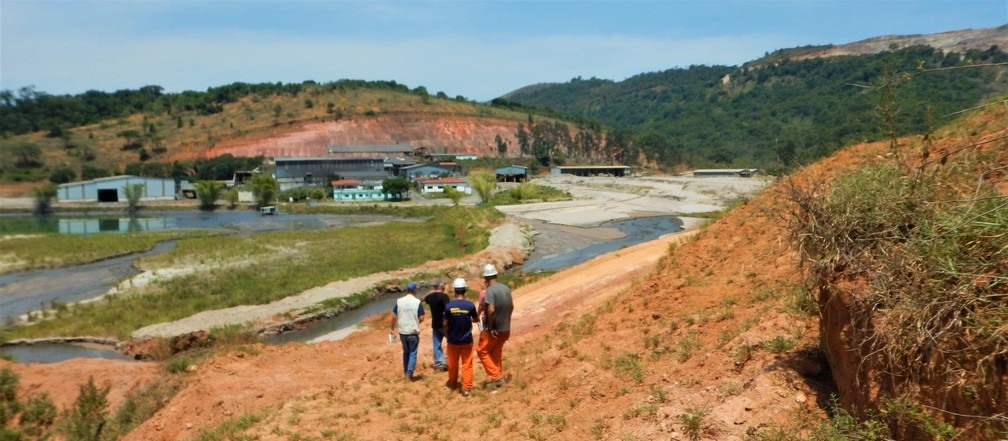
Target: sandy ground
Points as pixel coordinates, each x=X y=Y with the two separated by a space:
x=602 y=199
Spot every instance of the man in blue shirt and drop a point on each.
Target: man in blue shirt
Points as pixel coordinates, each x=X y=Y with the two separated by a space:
x=459 y=316
x=407 y=314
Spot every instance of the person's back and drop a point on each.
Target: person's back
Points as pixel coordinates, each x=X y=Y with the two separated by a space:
x=407 y=312
x=497 y=331
x=406 y=317
x=499 y=295
x=437 y=299
x=459 y=315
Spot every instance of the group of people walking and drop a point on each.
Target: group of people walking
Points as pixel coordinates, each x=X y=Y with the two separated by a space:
x=452 y=321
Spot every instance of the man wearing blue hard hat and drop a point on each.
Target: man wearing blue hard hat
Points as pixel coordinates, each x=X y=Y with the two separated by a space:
x=407 y=314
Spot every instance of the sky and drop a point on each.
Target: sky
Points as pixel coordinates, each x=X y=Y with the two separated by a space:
x=477 y=49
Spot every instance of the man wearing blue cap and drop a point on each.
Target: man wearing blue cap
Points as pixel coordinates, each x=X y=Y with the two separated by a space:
x=407 y=314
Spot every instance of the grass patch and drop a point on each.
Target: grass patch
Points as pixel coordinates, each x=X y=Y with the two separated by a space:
x=779 y=344
x=529 y=192
x=927 y=250
x=628 y=365
x=694 y=424
x=53 y=250
x=231 y=429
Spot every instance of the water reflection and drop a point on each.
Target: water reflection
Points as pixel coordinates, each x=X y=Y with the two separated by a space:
x=112 y=225
x=53 y=352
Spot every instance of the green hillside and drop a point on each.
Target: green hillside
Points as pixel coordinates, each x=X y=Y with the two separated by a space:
x=777 y=111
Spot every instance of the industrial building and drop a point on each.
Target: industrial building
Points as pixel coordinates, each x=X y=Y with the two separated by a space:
x=591 y=170
x=111 y=189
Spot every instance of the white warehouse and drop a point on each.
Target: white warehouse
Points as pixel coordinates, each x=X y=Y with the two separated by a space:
x=111 y=189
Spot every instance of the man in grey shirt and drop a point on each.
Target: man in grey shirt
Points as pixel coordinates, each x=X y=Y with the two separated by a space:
x=497 y=328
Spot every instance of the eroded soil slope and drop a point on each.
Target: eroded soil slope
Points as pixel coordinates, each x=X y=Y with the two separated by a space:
x=456 y=134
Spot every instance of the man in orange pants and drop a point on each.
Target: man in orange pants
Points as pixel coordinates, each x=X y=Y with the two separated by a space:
x=459 y=315
x=496 y=329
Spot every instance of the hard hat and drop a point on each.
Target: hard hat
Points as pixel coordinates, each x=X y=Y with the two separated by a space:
x=489 y=270
x=459 y=283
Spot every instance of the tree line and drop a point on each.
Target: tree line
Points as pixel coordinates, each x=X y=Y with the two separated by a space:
x=29 y=110
x=777 y=112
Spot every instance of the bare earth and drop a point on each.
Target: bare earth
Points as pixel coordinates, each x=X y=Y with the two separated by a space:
x=619 y=347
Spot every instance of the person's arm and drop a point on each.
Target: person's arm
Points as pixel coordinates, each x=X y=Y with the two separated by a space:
x=420 y=314
x=392 y=322
x=491 y=312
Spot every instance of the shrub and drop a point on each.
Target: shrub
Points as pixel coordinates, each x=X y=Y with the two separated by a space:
x=86 y=419
x=926 y=249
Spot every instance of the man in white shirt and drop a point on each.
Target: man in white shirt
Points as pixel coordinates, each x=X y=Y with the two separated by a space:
x=407 y=314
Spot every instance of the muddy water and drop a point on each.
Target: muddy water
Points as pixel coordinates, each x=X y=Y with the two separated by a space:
x=54 y=352
x=32 y=290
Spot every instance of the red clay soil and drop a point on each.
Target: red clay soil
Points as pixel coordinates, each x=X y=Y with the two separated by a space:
x=458 y=134
x=636 y=344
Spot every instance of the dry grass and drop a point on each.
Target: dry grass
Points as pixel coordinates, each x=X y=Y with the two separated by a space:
x=921 y=249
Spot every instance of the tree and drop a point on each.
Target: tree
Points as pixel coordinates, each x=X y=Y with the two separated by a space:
x=44 y=196
x=62 y=175
x=502 y=146
x=133 y=193
x=27 y=155
x=232 y=197
x=484 y=184
x=454 y=195
x=89 y=172
x=208 y=192
x=395 y=187
x=524 y=144
x=265 y=189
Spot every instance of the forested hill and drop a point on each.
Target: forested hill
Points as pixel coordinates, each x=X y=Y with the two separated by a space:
x=792 y=110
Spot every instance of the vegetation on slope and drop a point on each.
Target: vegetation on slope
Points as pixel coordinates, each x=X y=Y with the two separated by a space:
x=152 y=133
x=774 y=114
x=914 y=249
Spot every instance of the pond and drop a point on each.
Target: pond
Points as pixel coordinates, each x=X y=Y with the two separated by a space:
x=243 y=221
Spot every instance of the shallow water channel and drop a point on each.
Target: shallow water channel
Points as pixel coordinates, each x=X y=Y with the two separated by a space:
x=556 y=248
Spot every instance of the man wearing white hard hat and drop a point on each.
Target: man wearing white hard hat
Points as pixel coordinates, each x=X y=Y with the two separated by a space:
x=497 y=328
x=459 y=315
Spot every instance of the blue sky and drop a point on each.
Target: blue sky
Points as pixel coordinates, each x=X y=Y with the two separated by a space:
x=478 y=49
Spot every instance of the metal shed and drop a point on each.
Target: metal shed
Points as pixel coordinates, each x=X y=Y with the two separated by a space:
x=512 y=173
x=421 y=170
x=111 y=189
x=591 y=170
